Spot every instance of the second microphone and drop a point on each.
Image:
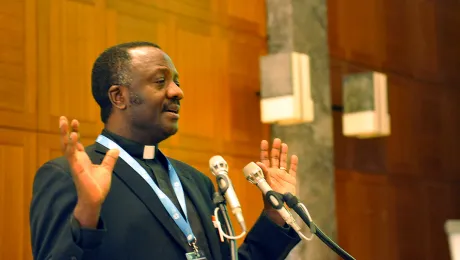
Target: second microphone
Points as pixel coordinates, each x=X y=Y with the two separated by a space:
x=219 y=168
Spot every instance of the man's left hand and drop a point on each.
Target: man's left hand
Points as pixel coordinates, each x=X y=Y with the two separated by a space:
x=280 y=178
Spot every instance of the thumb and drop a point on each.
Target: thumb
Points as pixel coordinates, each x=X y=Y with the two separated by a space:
x=110 y=159
x=265 y=171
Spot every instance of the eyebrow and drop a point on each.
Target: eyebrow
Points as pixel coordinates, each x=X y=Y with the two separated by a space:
x=166 y=70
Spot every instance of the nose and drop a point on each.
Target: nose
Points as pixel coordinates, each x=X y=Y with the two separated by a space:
x=175 y=92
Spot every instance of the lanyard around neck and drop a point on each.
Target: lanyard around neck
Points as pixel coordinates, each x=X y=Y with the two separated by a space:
x=180 y=221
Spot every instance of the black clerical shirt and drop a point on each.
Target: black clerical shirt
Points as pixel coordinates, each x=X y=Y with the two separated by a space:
x=157 y=168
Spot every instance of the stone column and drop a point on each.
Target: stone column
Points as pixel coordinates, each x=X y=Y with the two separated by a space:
x=301 y=26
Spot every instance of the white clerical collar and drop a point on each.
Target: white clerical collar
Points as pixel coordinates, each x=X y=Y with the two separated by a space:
x=149 y=152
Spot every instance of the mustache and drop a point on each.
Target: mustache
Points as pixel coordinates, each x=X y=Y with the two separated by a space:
x=136 y=98
x=172 y=105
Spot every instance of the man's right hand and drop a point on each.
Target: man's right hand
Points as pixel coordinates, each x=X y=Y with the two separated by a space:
x=92 y=181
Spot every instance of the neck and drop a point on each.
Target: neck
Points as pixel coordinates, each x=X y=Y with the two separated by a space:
x=132 y=133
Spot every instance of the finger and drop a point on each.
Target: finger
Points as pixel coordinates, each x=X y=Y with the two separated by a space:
x=64 y=129
x=75 y=125
x=275 y=153
x=264 y=153
x=80 y=147
x=77 y=168
x=71 y=145
x=265 y=171
x=110 y=159
x=283 y=156
x=293 y=167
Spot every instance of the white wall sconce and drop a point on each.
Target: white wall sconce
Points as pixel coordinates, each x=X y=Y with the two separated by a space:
x=285 y=89
x=452 y=229
x=365 y=105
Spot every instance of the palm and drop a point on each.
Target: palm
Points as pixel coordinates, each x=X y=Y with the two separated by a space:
x=280 y=181
x=92 y=181
x=275 y=170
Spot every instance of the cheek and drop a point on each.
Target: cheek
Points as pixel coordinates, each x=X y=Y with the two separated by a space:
x=145 y=109
x=143 y=115
x=136 y=99
x=146 y=105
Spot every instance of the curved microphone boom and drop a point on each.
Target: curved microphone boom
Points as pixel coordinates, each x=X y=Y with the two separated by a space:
x=219 y=168
x=255 y=175
x=294 y=203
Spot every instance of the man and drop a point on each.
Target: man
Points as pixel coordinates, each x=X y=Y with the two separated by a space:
x=151 y=207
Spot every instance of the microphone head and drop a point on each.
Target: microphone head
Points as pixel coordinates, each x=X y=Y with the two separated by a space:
x=253 y=173
x=217 y=164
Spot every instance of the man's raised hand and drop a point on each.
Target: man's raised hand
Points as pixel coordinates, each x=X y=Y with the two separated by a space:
x=92 y=181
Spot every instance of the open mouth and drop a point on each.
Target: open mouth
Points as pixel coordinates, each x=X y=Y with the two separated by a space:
x=173 y=109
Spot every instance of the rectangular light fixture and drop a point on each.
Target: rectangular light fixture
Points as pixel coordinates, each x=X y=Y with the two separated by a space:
x=285 y=89
x=365 y=103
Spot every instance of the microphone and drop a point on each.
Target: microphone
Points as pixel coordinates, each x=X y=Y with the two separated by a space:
x=219 y=168
x=255 y=175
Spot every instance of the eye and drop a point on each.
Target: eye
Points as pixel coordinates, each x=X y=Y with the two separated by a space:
x=177 y=83
x=160 y=81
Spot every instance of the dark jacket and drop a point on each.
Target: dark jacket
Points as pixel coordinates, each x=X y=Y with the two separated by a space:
x=134 y=224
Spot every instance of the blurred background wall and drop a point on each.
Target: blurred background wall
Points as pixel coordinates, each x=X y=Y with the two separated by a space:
x=47 y=48
x=393 y=194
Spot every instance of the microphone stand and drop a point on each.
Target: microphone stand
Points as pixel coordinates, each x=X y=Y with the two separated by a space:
x=220 y=202
x=294 y=203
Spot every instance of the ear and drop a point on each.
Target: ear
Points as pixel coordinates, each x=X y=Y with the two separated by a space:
x=118 y=96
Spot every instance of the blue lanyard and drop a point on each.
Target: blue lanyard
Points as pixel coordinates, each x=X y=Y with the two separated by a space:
x=167 y=204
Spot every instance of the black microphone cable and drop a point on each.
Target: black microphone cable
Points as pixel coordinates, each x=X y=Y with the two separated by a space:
x=294 y=203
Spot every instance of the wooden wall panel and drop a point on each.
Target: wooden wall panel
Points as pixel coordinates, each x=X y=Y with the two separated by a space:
x=46 y=65
x=411 y=49
x=363 y=207
x=246 y=16
x=411 y=176
x=418 y=162
x=18 y=59
x=240 y=95
x=399 y=36
x=68 y=43
x=448 y=34
x=351 y=36
x=410 y=219
x=18 y=159
x=199 y=79
x=441 y=203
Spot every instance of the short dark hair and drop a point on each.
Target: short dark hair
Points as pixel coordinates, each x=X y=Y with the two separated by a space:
x=112 y=67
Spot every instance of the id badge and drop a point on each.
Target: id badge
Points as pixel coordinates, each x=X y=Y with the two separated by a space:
x=195 y=255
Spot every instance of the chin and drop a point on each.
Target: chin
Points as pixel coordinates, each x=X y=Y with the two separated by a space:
x=170 y=130
x=173 y=131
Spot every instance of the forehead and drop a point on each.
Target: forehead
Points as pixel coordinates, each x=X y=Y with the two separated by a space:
x=147 y=59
